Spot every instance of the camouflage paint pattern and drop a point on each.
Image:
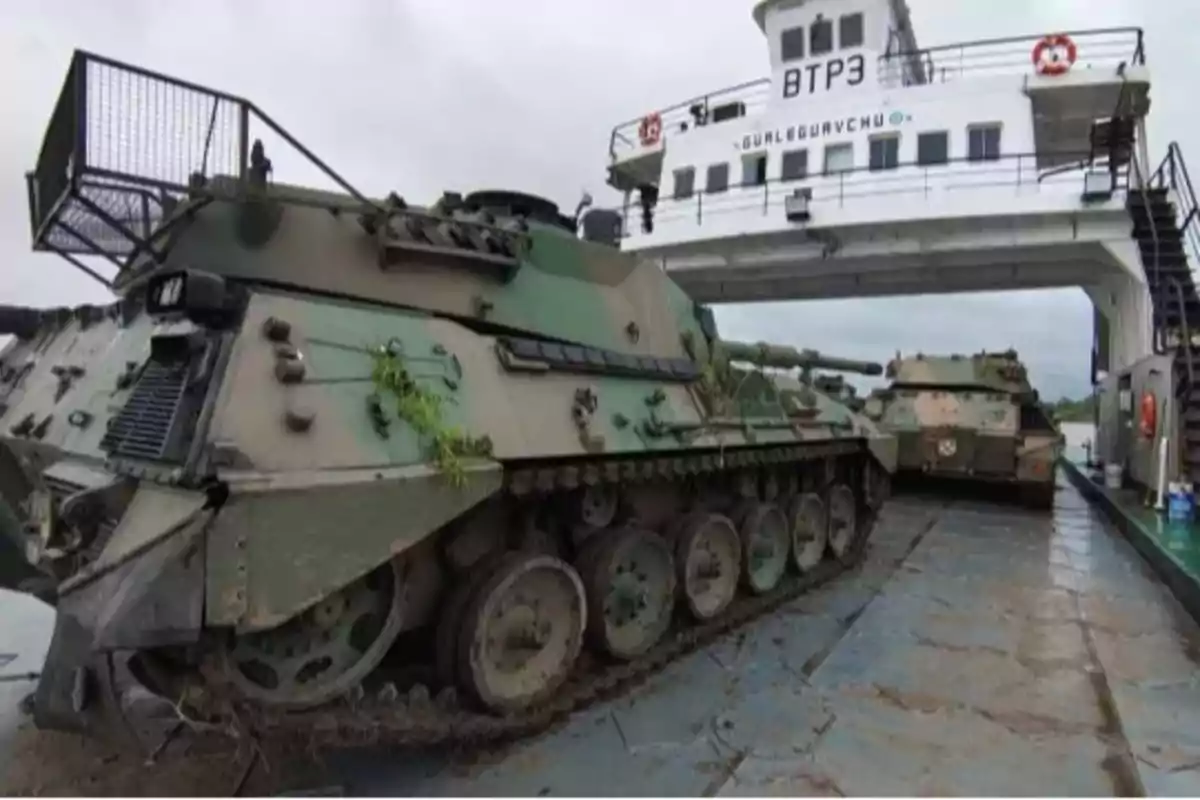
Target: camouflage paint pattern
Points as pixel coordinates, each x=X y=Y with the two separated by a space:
x=284 y=482
x=298 y=388
x=974 y=416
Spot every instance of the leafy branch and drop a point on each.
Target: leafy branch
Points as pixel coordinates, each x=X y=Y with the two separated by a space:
x=421 y=409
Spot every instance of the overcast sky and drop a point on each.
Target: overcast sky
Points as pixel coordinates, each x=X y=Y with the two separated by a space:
x=419 y=96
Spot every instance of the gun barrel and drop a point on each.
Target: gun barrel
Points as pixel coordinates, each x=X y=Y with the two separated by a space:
x=781 y=356
x=818 y=361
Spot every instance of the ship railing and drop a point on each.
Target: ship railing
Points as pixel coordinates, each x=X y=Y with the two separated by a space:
x=1172 y=175
x=747 y=98
x=1095 y=49
x=126 y=145
x=1017 y=175
x=1099 y=48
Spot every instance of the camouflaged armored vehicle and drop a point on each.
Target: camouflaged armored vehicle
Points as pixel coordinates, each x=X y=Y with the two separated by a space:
x=315 y=428
x=975 y=417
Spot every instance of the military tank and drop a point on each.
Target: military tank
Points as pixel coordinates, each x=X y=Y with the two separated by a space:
x=971 y=417
x=355 y=468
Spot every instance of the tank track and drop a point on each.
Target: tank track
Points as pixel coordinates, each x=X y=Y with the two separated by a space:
x=415 y=719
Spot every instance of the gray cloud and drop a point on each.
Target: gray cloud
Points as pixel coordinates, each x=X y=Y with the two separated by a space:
x=419 y=96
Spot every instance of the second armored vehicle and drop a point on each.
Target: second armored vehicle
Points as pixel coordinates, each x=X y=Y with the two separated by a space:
x=316 y=428
x=973 y=417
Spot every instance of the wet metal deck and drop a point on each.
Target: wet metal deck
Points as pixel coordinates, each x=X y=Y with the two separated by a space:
x=980 y=650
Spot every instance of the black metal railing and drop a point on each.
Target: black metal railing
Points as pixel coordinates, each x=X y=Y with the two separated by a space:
x=1019 y=173
x=1185 y=336
x=677 y=118
x=1172 y=174
x=125 y=145
x=1096 y=49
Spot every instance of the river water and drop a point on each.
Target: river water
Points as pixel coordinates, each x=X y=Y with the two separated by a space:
x=1077 y=435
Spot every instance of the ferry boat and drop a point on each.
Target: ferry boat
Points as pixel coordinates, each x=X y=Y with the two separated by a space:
x=866 y=165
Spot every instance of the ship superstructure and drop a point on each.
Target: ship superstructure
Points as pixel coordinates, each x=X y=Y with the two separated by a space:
x=866 y=165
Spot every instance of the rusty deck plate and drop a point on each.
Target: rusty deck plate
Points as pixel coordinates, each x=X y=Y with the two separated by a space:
x=980 y=650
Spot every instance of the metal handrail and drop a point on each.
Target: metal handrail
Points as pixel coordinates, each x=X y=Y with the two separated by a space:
x=969 y=61
x=1186 y=335
x=1172 y=174
x=123 y=140
x=1017 y=170
x=752 y=91
x=1158 y=344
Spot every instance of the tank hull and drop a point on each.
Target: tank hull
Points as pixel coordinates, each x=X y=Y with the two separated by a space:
x=309 y=478
x=970 y=419
x=378 y=457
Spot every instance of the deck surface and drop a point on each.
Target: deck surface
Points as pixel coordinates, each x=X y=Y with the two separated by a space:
x=980 y=650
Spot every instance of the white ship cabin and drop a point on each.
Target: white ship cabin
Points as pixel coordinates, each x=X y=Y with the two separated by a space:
x=855 y=112
x=866 y=165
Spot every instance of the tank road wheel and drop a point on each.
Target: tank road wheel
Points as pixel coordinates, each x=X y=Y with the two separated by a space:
x=597 y=505
x=450 y=622
x=810 y=525
x=877 y=486
x=326 y=650
x=629 y=578
x=708 y=556
x=766 y=545
x=843 y=523
x=521 y=632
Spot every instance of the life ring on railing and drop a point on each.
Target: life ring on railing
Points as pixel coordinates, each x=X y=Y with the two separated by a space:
x=650 y=131
x=1148 y=419
x=1054 y=55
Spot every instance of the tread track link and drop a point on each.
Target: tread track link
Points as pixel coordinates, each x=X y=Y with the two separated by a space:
x=417 y=720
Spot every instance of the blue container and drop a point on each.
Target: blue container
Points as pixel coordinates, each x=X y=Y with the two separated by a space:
x=1181 y=503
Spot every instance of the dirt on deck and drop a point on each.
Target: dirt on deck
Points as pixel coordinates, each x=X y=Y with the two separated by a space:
x=56 y=764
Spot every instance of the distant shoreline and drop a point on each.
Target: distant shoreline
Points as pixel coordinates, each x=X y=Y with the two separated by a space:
x=1066 y=410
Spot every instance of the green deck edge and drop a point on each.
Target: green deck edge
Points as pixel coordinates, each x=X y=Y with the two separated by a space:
x=1172 y=549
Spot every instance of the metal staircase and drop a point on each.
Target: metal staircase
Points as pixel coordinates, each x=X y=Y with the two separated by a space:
x=1167 y=230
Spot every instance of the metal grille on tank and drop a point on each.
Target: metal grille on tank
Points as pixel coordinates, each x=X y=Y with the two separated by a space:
x=143 y=427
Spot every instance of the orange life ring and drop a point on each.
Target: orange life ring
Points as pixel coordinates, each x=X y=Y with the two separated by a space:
x=650 y=131
x=1148 y=421
x=1054 y=54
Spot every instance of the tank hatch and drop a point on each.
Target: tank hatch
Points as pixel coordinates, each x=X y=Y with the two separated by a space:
x=506 y=203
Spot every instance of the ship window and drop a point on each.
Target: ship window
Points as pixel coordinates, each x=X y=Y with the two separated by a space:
x=718 y=178
x=850 y=30
x=839 y=158
x=685 y=183
x=820 y=37
x=754 y=169
x=795 y=165
x=885 y=152
x=983 y=142
x=933 y=148
x=791 y=44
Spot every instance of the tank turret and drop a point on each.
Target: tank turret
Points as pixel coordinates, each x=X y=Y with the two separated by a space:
x=1000 y=371
x=787 y=357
